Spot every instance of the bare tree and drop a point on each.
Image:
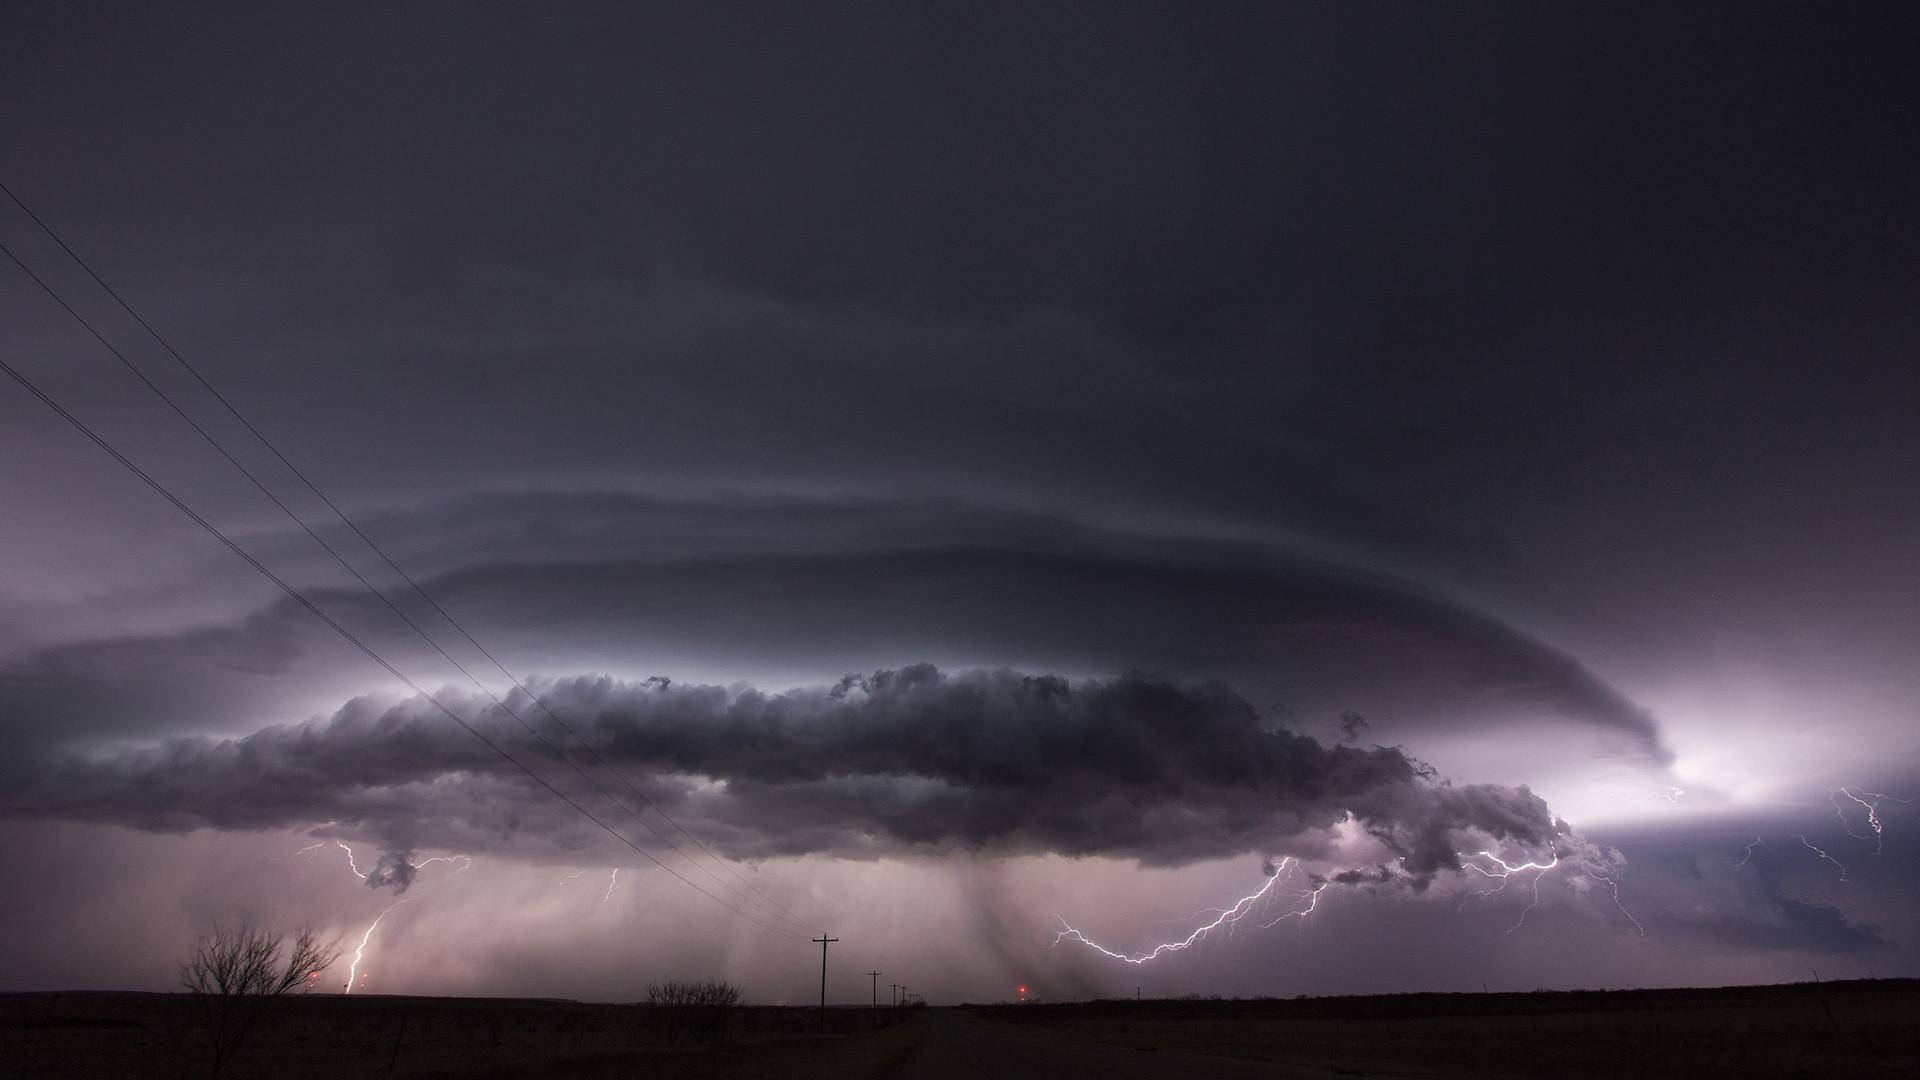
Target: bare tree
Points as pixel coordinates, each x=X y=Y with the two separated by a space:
x=700 y=1009
x=232 y=971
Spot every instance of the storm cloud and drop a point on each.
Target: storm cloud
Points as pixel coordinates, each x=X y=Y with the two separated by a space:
x=1535 y=384
x=904 y=761
x=822 y=585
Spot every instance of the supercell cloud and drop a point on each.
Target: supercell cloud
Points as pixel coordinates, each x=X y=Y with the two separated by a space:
x=825 y=585
x=913 y=761
x=1134 y=395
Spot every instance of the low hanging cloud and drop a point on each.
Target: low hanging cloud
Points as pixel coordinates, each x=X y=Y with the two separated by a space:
x=899 y=762
x=394 y=870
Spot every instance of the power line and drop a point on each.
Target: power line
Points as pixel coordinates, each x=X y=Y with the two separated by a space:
x=765 y=901
x=369 y=586
x=773 y=908
x=301 y=598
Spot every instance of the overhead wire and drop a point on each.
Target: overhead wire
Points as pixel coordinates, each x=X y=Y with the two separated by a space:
x=369 y=586
x=775 y=908
x=370 y=652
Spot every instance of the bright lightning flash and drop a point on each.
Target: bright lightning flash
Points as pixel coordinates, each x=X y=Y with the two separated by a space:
x=350 y=863
x=359 y=951
x=1229 y=917
x=1507 y=870
x=465 y=861
x=1871 y=806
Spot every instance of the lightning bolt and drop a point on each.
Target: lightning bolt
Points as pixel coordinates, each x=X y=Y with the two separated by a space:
x=571 y=876
x=1311 y=896
x=1507 y=870
x=1872 y=808
x=359 y=953
x=465 y=861
x=1824 y=855
x=360 y=950
x=309 y=851
x=1744 y=859
x=1228 y=917
x=350 y=862
x=1308 y=900
x=612 y=882
x=1528 y=910
x=1614 y=886
x=1839 y=815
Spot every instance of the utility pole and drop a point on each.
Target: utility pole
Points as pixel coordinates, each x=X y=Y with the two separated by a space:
x=893 y=995
x=876 y=997
x=824 y=941
x=903 y=995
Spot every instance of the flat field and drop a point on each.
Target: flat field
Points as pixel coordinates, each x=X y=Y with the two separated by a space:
x=88 y=1035
x=1866 y=1028
x=1849 y=1029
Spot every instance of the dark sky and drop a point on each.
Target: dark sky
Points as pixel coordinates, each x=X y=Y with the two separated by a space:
x=1143 y=388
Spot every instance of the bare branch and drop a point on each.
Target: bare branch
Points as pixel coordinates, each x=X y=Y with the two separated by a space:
x=231 y=968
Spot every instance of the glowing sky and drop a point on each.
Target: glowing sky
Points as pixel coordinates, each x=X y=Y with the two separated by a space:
x=1142 y=395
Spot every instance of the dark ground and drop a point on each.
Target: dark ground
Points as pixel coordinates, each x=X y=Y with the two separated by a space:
x=1858 y=1029
x=86 y=1035
x=1852 y=1029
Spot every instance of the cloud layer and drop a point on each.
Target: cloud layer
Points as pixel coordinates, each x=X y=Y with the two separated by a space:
x=803 y=588
x=914 y=760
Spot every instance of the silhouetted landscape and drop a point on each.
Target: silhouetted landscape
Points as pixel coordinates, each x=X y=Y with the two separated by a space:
x=102 y=1034
x=1860 y=1028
